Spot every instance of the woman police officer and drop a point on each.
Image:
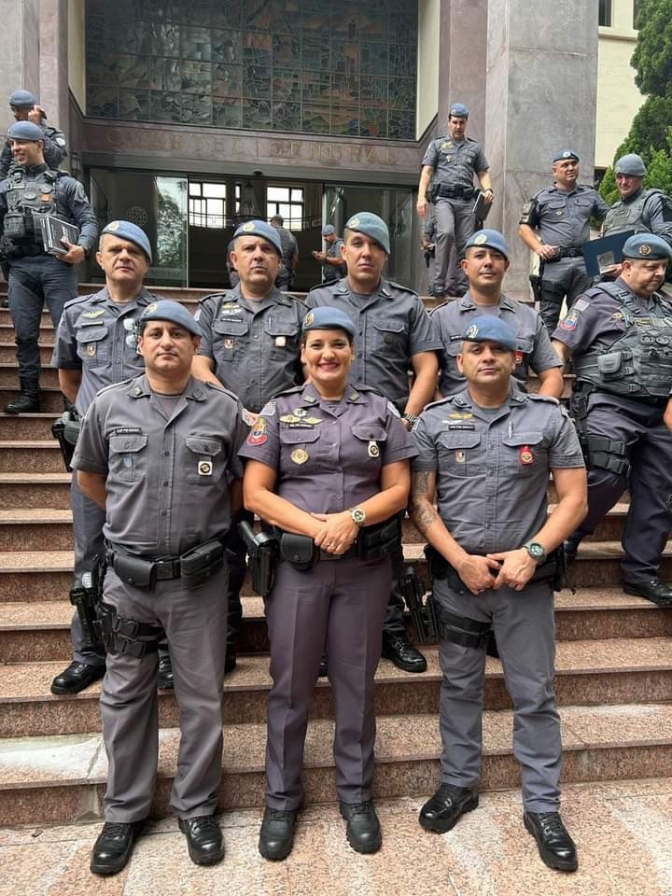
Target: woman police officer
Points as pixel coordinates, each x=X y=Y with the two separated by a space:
x=328 y=466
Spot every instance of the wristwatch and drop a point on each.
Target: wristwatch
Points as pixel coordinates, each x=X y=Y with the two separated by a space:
x=358 y=516
x=412 y=418
x=536 y=551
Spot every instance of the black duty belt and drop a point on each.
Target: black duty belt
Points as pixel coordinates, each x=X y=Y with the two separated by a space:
x=564 y=253
x=446 y=191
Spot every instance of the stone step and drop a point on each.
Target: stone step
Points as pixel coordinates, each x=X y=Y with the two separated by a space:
x=37 y=455
x=8 y=353
x=61 y=779
x=30 y=529
x=35 y=622
x=50 y=396
x=9 y=376
x=26 y=427
x=46 y=337
x=39 y=491
x=611 y=672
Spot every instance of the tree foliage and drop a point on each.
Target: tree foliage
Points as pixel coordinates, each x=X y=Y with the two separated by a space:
x=652 y=58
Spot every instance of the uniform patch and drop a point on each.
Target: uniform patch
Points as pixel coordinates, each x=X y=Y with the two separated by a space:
x=268 y=409
x=458 y=415
x=313 y=421
x=519 y=358
x=458 y=427
x=290 y=418
x=113 y=225
x=645 y=249
x=249 y=227
x=526 y=455
x=374 y=450
x=581 y=304
x=569 y=322
x=460 y=457
x=299 y=456
x=151 y=307
x=97 y=313
x=205 y=468
x=308 y=320
x=300 y=412
x=480 y=239
x=617 y=315
x=258 y=434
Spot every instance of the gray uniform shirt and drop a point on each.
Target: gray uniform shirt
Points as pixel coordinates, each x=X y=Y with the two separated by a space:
x=167 y=476
x=455 y=164
x=562 y=217
x=328 y=455
x=534 y=349
x=392 y=325
x=98 y=337
x=254 y=345
x=492 y=468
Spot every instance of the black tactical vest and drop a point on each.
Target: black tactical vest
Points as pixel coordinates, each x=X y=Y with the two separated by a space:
x=627 y=215
x=639 y=363
x=27 y=197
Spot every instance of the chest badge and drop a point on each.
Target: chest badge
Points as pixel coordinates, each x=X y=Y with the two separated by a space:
x=526 y=455
x=299 y=456
x=313 y=421
x=90 y=350
x=228 y=342
x=290 y=418
x=374 y=450
x=97 y=313
x=205 y=467
x=460 y=457
x=300 y=412
x=281 y=341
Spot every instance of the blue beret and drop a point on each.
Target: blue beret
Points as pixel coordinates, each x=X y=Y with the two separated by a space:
x=325 y=318
x=563 y=154
x=646 y=247
x=172 y=311
x=131 y=232
x=23 y=98
x=490 y=239
x=459 y=110
x=631 y=165
x=262 y=229
x=25 y=130
x=372 y=226
x=488 y=328
x=328 y=229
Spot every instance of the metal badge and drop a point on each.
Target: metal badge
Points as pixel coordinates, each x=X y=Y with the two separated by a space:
x=205 y=467
x=374 y=450
x=281 y=341
x=228 y=343
x=460 y=457
x=290 y=418
x=313 y=421
x=526 y=455
x=300 y=412
x=90 y=350
x=299 y=456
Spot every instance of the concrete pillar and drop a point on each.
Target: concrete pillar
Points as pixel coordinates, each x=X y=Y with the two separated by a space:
x=19 y=50
x=53 y=51
x=462 y=62
x=541 y=92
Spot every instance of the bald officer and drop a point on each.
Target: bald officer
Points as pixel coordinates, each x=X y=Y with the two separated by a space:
x=484 y=456
x=96 y=345
x=394 y=334
x=159 y=452
x=485 y=263
x=450 y=164
x=619 y=336
x=25 y=106
x=250 y=345
x=637 y=209
x=555 y=224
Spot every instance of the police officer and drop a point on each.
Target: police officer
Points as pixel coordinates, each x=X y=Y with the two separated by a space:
x=290 y=253
x=35 y=277
x=394 y=334
x=327 y=463
x=96 y=345
x=450 y=163
x=619 y=336
x=485 y=455
x=638 y=209
x=159 y=452
x=555 y=224
x=25 y=107
x=331 y=259
x=250 y=345
x=485 y=263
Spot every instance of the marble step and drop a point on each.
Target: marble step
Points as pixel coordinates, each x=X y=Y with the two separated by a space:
x=36 y=455
x=36 y=491
x=589 y=673
x=61 y=779
x=46 y=337
x=50 y=396
x=27 y=427
x=8 y=352
x=9 y=376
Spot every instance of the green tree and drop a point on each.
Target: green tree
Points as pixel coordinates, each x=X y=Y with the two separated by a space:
x=652 y=58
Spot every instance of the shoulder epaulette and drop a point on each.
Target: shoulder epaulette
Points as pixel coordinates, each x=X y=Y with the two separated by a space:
x=548 y=398
x=398 y=286
x=213 y=295
x=77 y=299
x=439 y=401
x=218 y=387
x=328 y=285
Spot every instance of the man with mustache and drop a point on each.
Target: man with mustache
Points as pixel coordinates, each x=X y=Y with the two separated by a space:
x=250 y=345
x=619 y=336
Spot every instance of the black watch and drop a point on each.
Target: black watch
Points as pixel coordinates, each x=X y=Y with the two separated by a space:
x=536 y=551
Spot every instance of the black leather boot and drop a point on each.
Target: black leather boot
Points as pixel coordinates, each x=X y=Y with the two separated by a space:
x=28 y=401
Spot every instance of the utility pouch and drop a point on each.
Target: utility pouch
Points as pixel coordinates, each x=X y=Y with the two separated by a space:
x=133 y=570
x=609 y=364
x=299 y=550
x=201 y=562
x=14 y=226
x=377 y=542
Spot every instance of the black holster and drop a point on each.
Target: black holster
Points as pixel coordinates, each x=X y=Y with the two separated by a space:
x=423 y=614
x=86 y=598
x=127 y=636
x=202 y=562
x=263 y=551
x=66 y=431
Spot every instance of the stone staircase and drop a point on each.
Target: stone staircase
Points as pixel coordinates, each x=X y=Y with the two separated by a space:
x=614 y=681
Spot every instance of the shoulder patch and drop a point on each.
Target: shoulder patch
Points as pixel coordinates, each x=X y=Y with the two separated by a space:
x=581 y=305
x=391 y=408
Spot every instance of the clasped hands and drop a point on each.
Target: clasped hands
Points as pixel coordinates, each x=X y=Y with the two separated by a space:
x=511 y=568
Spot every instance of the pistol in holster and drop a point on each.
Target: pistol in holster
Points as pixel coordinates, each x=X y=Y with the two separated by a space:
x=263 y=551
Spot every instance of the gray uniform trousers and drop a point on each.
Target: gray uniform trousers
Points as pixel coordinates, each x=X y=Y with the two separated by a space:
x=340 y=605
x=88 y=521
x=455 y=223
x=649 y=448
x=561 y=279
x=34 y=281
x=524 y=627
x=195 y=623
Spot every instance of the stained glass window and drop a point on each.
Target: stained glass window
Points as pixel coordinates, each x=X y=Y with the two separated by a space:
x=302 y=66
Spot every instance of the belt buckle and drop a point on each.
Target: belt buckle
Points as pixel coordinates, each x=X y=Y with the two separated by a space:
x=325 y=555
x=165 y=570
